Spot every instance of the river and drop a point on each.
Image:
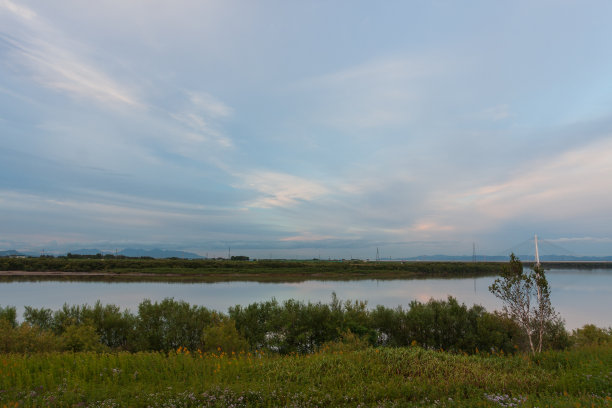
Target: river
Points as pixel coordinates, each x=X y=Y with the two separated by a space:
x=580 y=296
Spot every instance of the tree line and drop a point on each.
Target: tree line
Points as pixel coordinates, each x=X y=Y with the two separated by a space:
x=242 y=265
x=288 y=327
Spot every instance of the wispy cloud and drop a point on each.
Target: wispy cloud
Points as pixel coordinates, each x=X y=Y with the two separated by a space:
x=31 y=45
x=18 y=10
x=200 y=117
x=209 y=105
x=307 y=237
x=98 y=215
x=565 y=187
x=107 y=212
x=581 y=239
x=280 y=189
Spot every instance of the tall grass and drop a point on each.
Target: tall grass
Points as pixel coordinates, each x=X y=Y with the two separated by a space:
x=334 y=376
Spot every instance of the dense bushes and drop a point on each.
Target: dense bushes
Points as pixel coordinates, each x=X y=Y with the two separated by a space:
x=26 y=338
x=170 y=324
x=591 y=335
x=291 y=326
x=9 y=314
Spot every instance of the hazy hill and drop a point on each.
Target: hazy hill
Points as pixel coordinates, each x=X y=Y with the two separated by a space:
x=158 y=253
x=10 y=252
x=138 y=252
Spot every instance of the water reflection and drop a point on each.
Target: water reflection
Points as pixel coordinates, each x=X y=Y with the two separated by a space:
x=579 y=296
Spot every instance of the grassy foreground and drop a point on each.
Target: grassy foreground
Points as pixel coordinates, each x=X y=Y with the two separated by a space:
x=334 y=376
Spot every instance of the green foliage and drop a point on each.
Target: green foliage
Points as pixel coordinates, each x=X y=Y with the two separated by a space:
x=9 y=313
x=25 y=338
x=496 y=332
x=444 y=325
x=555 y=336
x=299 y=327
x=381 y=377
x=239 y=258
x=526 y=298
x=80 y=338
x=288 y=327
x=223 y=336
x=349 y=341
x=278 y=268
x=114 y=328
x=170 y=324
x=591 y=335
x=42 y=318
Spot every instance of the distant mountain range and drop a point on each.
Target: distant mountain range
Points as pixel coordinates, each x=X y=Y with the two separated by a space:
x=137 y=252
x=11 y=252
x=129 y=252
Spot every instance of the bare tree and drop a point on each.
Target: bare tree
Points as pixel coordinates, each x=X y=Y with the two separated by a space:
x=526 y=297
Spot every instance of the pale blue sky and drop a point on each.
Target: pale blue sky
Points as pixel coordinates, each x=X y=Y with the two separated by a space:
x=300 y=129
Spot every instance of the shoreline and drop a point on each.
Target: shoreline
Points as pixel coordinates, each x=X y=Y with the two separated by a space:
x=276 y=276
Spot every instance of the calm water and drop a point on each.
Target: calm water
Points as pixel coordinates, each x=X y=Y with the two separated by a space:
x=579 y=296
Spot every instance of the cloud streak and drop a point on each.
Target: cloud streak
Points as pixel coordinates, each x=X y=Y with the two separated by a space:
x=38 y=50
x=277 y=189
x=201 y=117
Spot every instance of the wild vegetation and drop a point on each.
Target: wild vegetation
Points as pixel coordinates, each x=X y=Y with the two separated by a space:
x=297 y=354
x=204 y=268
x=526 y=297
x=172 y=354
x=288 y=327
x=339 y=374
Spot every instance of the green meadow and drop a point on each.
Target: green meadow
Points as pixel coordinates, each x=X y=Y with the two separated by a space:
x=337 y=375
x=294 y=354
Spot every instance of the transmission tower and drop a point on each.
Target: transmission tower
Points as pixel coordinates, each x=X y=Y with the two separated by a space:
x=377 y=255
x=473 y=252
x=537 y=253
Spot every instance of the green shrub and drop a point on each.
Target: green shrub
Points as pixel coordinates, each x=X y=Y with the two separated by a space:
x=26 y=339
x=42 y=317
x=9 y=313
x=223 y=336
x=292 y=326
x=170 y=324
x=590 y=335
x=349 y=341
x=80 y=338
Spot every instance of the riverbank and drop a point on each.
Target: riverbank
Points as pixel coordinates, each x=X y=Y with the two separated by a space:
x=42 y=276
x=222 y=270
x=185 y=270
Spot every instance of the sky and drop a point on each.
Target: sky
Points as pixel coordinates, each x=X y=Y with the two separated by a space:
x=306 y=128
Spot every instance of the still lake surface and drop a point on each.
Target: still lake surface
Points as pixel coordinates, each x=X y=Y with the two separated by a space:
x=580 y=296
